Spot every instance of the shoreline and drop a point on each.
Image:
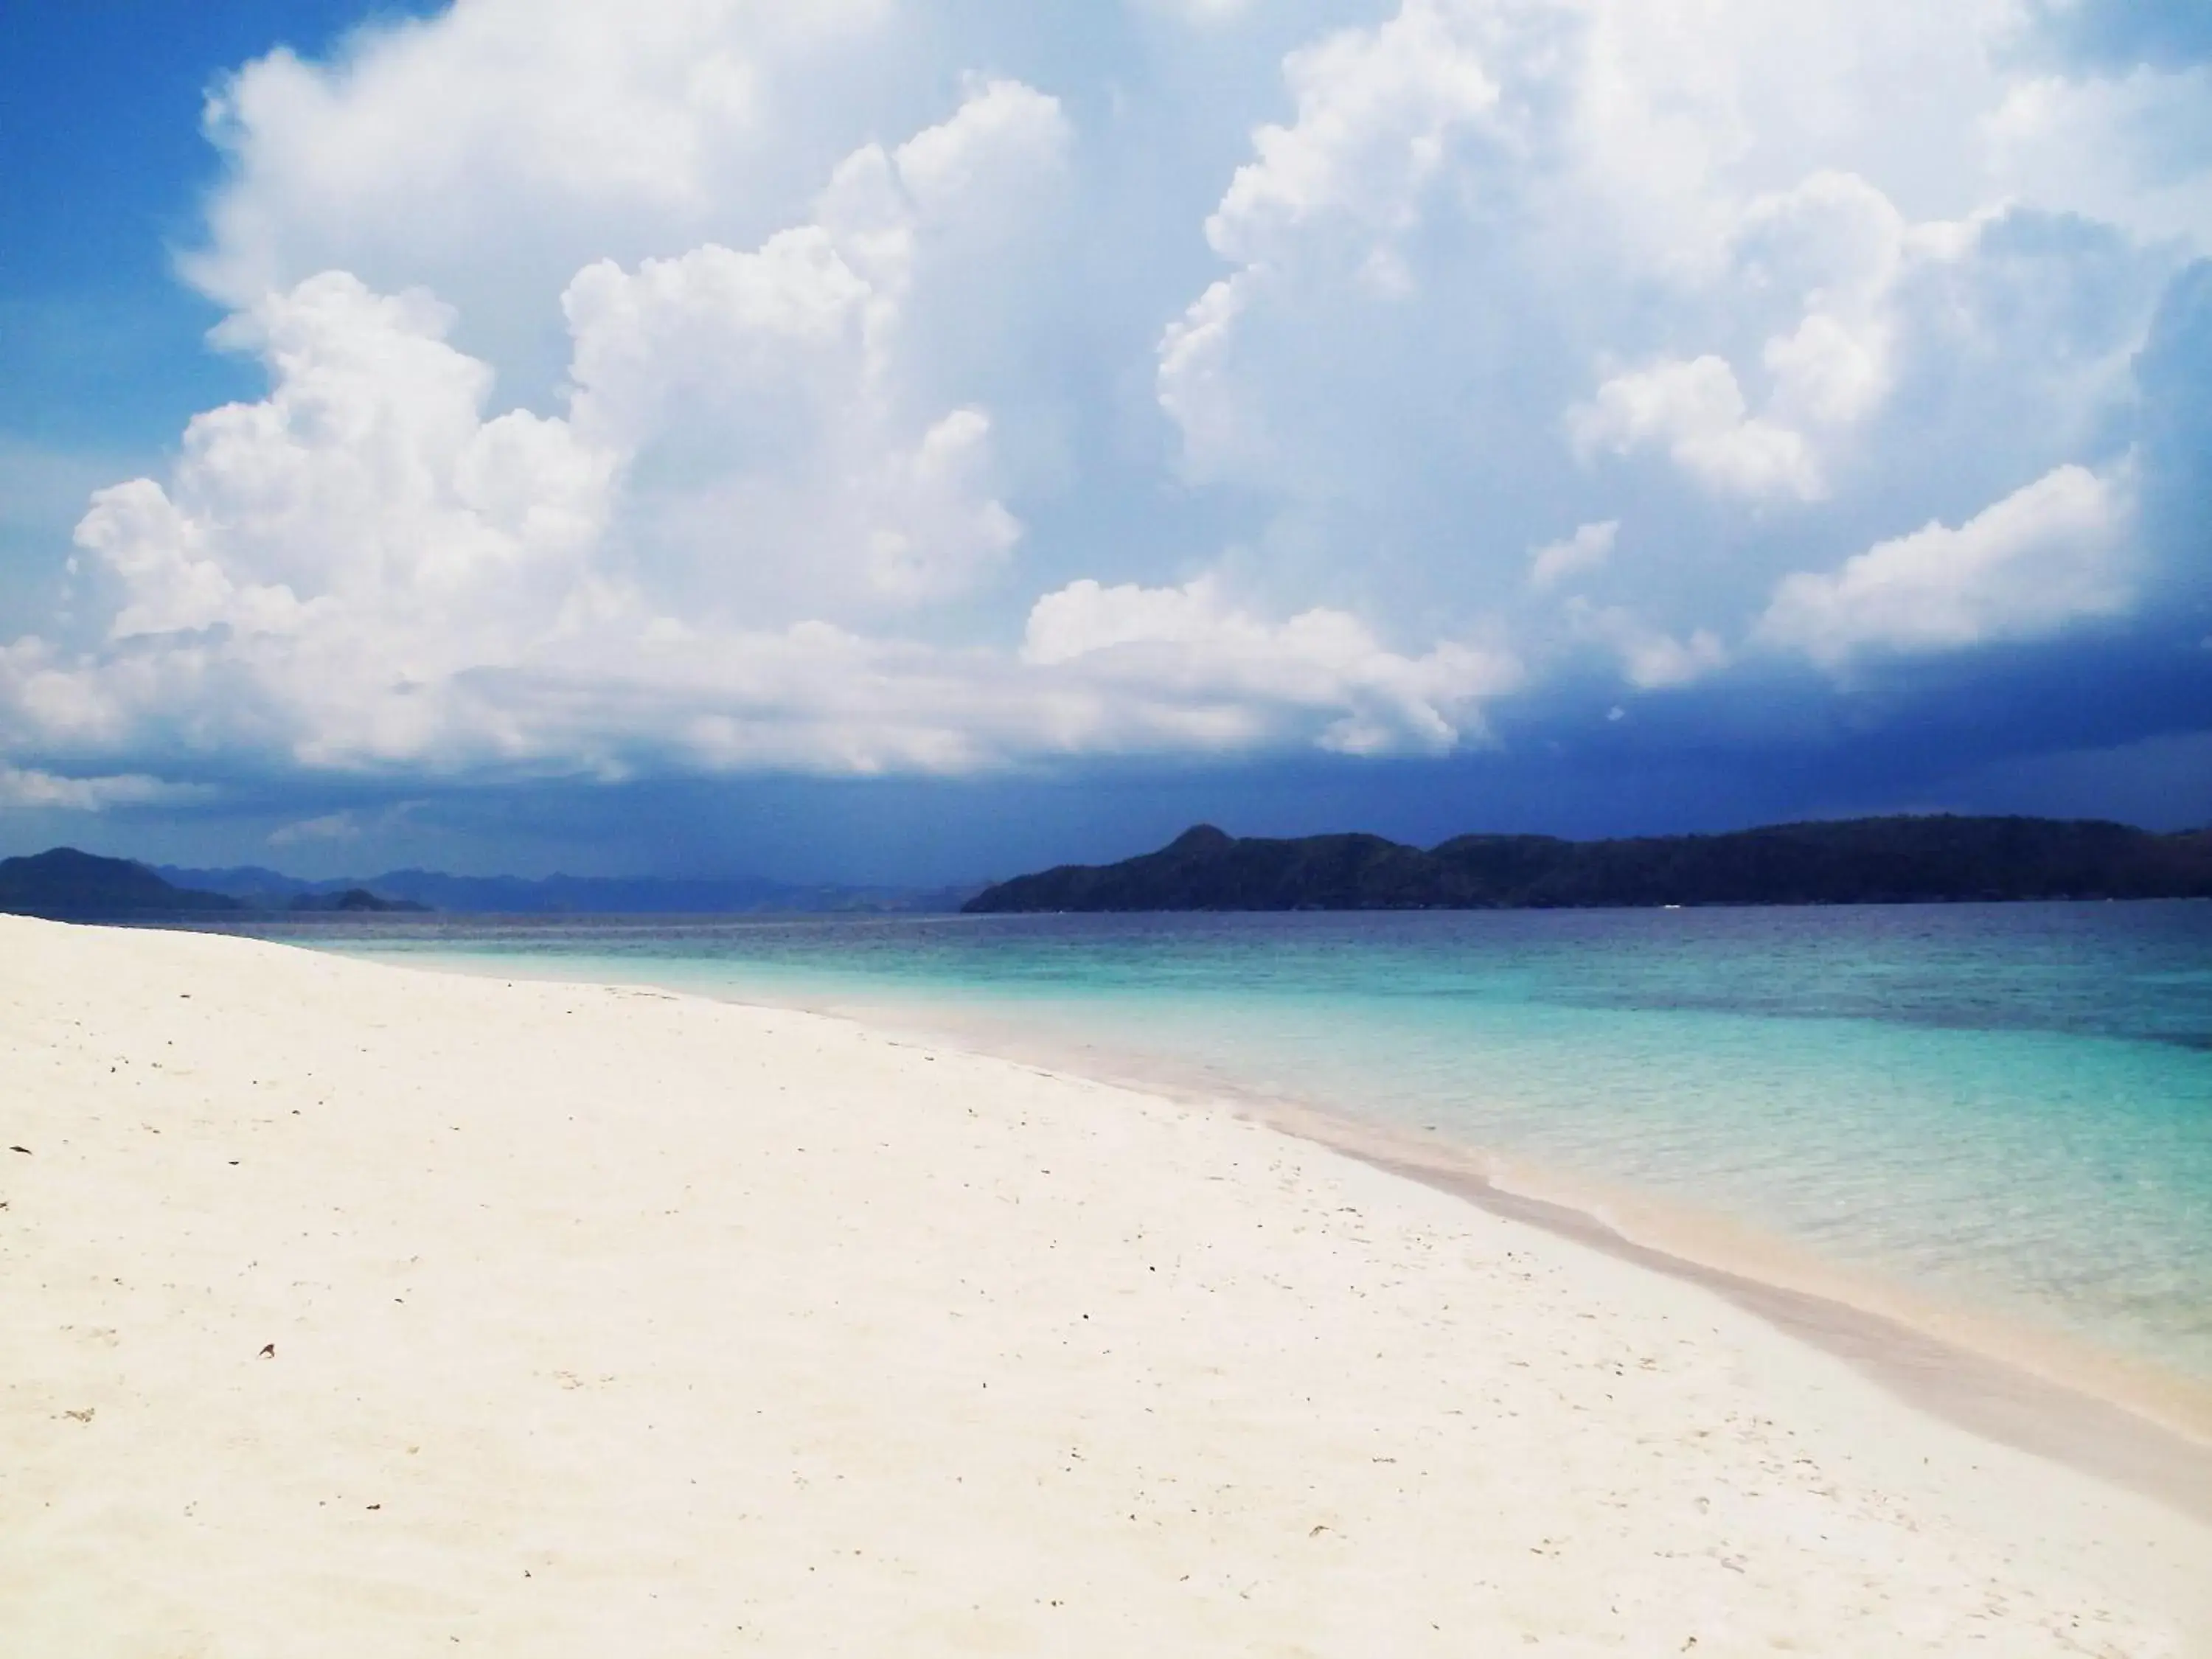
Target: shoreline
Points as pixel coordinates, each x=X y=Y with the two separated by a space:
x=2107 y=1415
x=701 y=1313
x=1988 y=1394
x=2113 y=1414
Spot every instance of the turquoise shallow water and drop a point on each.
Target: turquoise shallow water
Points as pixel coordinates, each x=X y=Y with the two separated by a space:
x=2006 y=1106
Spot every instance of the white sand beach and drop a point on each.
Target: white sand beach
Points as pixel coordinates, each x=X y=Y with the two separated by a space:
x=351 y=1310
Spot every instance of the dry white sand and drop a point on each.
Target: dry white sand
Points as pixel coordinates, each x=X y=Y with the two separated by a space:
x=611 y=1323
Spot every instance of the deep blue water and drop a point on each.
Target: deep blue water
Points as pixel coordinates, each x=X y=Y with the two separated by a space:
x=2010 y=1105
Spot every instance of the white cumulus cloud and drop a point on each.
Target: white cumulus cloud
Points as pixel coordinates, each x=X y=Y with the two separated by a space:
x=699 y=384
x=370 y=567
x=27 y=789
x=2046 y=556
x=1587 y=550
x=1695 y=411
x=1650 y=659
x=1187 y=658
x=503 y=143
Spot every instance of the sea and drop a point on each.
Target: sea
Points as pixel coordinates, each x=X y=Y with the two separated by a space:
x=2006 y=1108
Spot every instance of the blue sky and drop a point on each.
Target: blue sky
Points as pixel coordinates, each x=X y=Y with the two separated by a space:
x=901 y=441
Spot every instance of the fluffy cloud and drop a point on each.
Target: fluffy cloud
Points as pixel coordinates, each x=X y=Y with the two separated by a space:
x=368 y=568
x=360 y=559
x=2024 y=566
x=772 y=398
x=1325 y=204
x=1827 y=257
x=490 y=151
x=2149 y=174
x=1696 y=410
x=368 y=488
x=28 y=790
x=639 y=400
x=1376 y=110
x=1186 y=659
x=1587 y=550
x=1650 y=660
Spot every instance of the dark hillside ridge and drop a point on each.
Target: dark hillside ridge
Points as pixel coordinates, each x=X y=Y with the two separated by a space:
x=1886 y=861
x=67 y=885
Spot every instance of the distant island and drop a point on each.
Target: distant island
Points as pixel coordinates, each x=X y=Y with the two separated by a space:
x=66 y=885
x=1881 y=861
x=353 y=901
x=563 y=895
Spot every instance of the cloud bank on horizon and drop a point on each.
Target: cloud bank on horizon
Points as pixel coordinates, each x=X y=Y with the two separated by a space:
x=713 y=387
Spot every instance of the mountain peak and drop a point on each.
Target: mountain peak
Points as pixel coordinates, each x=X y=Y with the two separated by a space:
x=1200 y=838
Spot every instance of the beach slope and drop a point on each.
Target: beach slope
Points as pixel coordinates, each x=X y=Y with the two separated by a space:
x=357 y=1311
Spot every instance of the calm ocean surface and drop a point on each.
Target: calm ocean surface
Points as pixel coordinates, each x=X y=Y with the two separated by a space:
x=2008 y=1106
